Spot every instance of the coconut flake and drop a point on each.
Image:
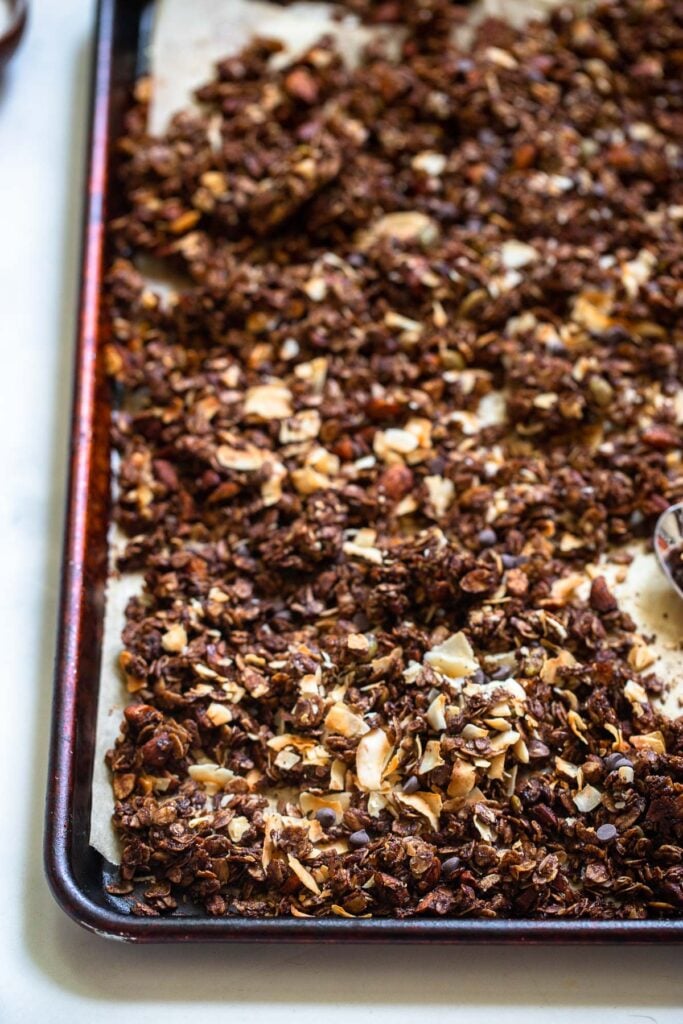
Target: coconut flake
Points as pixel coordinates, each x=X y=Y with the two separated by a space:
x=238 y=827
x=588 y=798
x=268 y=401
x=341 y=719
x=435 y=713
x=515 y=254
x=304 y=876
x=463 y=779
x=454 y=657
x=372 y=755
x=174 y=639
x=432 y=757
x=429 y=805
x=441 y=493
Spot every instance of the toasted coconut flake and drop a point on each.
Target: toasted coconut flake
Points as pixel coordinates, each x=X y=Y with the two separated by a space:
x=337 y=775
x=271 y=489
x=566 y=768
x=637 y=272
x=362 y=546
x=287 y=759
x=564 y=589
x=377 y=802
x=484 y=827
x=316 y=754
x=436 y=713
x=395 y=440
x=635 y=693
x=515 y=254
x=650 y=741
x=304 y=876
x=402 y=323
x=218 y=714
x=509 y=686
x=211 y=776
x=463 y=779
x=503 y=740
x=288 y=739
x=405 y=226
x=310 y=803
x=314 y=373
x=563 y=660
x=441 y=493
x=242 y=460
x=340 y=912
x=521 y=751
x=432 y=757
x=302 y=427
x=268 y=401
x=497 y=767
x=577 y=725
x=640 y=657
x=238 y=827
x=341 y=719
x=429 y=805
x=430 y=163
x=372 y=755
x=592 y=311
x=174 y=640
x=308 y=480
x=587 y=799
x=454 y=657
x=316 y=289
x=358 y=642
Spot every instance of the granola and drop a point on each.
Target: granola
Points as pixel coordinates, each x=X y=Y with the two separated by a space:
x=424 y=371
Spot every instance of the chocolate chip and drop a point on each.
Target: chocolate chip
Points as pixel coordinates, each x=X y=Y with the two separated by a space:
x=502 y=672
x=326 y=817
x=450 y=867
x=411 y=785
x=479 y=677
x=606 y=833
x=616 y=760
x=359 y=838
x=511 y=561
x=487 y=537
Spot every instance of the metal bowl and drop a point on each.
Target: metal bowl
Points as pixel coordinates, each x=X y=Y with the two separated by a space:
x=11 y=36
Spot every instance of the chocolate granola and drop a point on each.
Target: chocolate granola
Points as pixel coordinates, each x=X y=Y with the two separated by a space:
x=421 y=374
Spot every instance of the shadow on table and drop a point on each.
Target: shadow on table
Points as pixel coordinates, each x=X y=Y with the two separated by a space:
x=403 y=977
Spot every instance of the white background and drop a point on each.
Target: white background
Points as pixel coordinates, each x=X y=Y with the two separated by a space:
x=51 y=970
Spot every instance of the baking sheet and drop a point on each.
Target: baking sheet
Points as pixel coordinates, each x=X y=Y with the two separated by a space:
x=187 y=39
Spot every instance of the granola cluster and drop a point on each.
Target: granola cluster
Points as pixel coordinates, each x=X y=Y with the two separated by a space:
x=420 y=373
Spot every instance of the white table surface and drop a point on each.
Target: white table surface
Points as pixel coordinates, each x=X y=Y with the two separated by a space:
x=50 y=969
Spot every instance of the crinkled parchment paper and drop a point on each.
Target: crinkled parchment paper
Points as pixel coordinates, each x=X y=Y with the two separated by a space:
x=187 y=39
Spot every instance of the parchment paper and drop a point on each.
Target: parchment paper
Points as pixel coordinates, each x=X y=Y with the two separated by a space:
x=187 y=39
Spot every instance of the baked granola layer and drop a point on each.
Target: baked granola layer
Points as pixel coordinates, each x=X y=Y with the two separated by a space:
x=422 y=375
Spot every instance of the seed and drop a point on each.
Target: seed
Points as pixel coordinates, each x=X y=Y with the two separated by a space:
x=326 y=817
x=450 y=867
x=606 y=833
x=359 y=838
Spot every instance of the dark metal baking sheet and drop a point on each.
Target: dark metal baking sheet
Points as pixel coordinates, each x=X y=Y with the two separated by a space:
x=76 y=872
